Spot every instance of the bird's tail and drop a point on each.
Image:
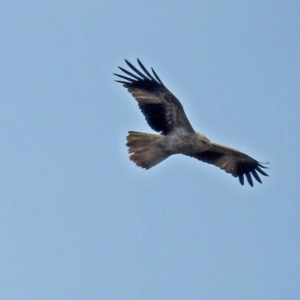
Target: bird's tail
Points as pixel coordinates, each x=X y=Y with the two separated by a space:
x=146 y=149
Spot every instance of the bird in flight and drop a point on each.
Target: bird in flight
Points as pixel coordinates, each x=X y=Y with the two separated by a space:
x=165 y=114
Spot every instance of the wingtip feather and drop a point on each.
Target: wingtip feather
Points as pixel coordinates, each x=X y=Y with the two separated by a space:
x=255 y=175
x=241 y=179
x=249 y=178
x=261 y=171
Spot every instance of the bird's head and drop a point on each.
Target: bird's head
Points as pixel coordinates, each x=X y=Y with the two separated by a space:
x=203 y=142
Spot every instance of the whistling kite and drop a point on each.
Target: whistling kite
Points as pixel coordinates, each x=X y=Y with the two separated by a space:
x=164 y=113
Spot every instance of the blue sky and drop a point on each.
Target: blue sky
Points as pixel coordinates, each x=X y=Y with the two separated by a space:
x=78 y=220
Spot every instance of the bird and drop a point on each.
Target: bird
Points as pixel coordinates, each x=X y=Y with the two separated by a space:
x=165 y=114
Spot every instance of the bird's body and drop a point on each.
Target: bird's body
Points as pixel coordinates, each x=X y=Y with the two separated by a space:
x=165 y=114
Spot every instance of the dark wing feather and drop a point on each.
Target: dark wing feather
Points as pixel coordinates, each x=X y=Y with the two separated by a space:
x=162 y=110
x=233 y=161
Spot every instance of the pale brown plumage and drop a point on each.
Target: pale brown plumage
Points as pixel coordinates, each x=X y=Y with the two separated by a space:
x=165 y=114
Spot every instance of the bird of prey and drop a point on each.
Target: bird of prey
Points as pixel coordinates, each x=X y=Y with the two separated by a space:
x=165 y=114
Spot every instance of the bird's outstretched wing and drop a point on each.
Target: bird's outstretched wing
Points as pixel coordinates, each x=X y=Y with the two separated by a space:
x=162 y=110
x=233 y=161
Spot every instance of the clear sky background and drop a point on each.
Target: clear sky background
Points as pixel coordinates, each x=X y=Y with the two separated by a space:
x=78 y=220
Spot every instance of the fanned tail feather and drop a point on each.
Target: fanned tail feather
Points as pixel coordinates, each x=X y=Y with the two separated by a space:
x=146 y=149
